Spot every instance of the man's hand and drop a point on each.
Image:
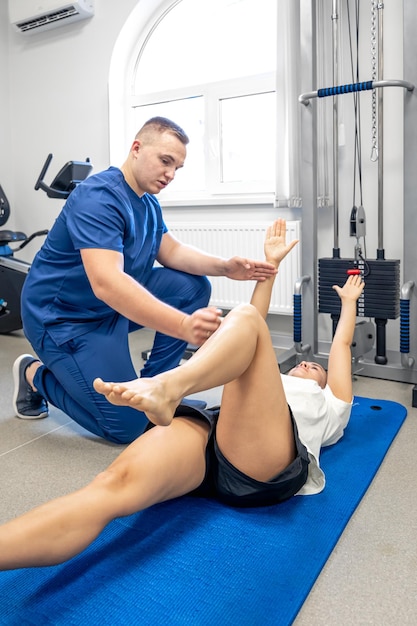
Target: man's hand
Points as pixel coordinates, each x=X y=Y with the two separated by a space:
x=275 y=246
x=239 y=268
x=201 y=324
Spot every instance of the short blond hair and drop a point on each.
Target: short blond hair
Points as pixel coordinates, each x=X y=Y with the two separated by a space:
x=162 y=125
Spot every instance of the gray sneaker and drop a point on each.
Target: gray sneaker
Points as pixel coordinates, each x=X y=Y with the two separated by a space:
x=28 y=404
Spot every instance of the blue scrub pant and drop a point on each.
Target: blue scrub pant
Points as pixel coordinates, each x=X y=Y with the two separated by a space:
x=66 y=377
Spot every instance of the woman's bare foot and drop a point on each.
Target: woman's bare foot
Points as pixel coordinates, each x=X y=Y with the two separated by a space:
x=149 y=395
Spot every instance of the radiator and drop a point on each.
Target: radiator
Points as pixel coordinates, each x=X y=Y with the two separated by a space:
x=242 y=239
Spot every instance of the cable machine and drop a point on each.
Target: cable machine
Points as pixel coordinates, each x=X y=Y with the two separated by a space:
x=384 y=298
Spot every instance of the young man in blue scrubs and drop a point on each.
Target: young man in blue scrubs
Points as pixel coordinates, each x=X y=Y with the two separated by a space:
x=94 y=281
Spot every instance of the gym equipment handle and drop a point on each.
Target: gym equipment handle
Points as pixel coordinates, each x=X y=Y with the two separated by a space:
x=353 y=87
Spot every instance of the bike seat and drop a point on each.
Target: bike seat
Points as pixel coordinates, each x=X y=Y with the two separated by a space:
x=8 y=236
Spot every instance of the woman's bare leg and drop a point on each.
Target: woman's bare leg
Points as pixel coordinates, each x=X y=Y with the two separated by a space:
x=161 y=464
x=224 y=357
x=254 y=430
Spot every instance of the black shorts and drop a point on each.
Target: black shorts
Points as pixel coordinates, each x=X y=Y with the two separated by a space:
x=231 y=486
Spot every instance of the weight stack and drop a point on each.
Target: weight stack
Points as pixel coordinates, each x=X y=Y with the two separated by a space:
x=381 y=296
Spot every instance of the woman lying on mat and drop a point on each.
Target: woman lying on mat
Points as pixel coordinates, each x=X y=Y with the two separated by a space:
x=254 y=451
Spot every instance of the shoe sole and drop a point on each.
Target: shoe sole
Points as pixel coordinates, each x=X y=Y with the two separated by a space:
x=16 y=380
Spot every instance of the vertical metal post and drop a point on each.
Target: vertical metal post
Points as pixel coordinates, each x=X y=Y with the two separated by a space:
x=335 y=45
x=410 y=178
x=380 y=252
x=308 y=121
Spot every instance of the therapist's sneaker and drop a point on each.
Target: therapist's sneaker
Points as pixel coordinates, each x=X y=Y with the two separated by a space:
x=28 y=404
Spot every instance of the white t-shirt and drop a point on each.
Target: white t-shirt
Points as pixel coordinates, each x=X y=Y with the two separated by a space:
x=321 y=419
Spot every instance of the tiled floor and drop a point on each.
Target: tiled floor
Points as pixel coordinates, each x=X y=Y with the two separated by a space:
x=371 y=576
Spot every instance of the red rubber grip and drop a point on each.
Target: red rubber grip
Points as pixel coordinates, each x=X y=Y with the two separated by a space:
x=353 y=272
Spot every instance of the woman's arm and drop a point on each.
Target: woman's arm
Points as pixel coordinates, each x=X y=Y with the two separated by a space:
x=339 y=375
x=276 y=249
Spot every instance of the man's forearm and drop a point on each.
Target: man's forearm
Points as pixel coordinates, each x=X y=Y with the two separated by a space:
x=188 y=259
x=126 y=296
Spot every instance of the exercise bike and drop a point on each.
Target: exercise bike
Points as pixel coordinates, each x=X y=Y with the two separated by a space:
x=13 y=271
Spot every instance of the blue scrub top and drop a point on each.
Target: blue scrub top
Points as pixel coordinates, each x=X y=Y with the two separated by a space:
x=102 y=212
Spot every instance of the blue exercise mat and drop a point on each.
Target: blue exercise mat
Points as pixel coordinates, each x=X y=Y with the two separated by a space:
x=196 y=562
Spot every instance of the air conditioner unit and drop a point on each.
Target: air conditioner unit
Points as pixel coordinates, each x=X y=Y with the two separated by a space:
x=33 y=16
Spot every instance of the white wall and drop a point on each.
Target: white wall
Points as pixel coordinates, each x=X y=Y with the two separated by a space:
x=5 y=124
x=58 y=97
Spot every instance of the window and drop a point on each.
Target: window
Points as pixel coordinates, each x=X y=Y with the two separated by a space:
x=210 y=65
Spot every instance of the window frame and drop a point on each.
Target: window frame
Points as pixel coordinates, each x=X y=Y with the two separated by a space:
x=138 y=27
x=213 y=93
